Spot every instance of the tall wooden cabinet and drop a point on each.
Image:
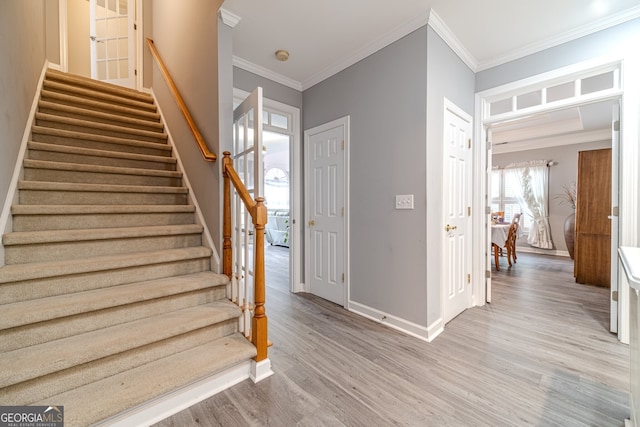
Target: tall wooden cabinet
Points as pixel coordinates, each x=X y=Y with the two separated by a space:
x=593 y=227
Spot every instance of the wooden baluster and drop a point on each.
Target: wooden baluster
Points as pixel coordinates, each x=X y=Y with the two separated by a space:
x=227 y=251
x=259 y=322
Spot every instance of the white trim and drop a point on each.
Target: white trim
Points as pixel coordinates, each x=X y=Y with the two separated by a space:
x=552 y=252
x=165 y=406
x=139 y=44
x=427 y=334
x=6 y=223
x=63 y=17
x=260 y=370
x=346 y=123
x=439 y=26
x=370 y=48
x=228 y=18
x=568 y=36
x=208 y=240
x=266 y=73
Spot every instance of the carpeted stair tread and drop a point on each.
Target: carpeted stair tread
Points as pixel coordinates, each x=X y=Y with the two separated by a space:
x=99 y=105
x=92 y=93
x=59 y=76
x=92 y=152
x=159 y=134
x=142 y=384
x=99 y=115
x=31 y=362
x=39 y=310
x=55 y=236
x=97 y=209
x=105 y=188
x=61 y=133
x=21 y=272
x=61 y=166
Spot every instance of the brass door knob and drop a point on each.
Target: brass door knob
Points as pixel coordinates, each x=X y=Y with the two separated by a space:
x=449 y=227
x=312 y=223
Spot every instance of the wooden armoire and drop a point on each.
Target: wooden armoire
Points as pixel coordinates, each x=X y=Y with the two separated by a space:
x=593 y=226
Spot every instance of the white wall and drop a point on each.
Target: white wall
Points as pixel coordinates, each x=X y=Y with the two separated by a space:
x=78 y=50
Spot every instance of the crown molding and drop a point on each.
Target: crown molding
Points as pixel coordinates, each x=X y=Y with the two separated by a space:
x=367 y=50
x=228 y=18
x=266 y=73
x=582 y=31
x=451 y=40
x=552 y=141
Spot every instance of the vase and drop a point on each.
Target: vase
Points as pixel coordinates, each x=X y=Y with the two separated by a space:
x=570 y=232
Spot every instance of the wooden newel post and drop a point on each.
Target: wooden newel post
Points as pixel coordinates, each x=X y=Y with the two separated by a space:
x=259 y=322
x=227 y=251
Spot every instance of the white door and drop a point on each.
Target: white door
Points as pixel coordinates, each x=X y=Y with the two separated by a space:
x=112 y=41
x=325 y=207
x=457 y=197
x=615 y=150
x=247 y=161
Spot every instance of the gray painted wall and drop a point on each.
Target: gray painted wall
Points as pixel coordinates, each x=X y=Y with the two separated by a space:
x=385 y=96
x=564 y=173
x=23 y=47
x=248 y=81
x=447 y=77
x=190 y=52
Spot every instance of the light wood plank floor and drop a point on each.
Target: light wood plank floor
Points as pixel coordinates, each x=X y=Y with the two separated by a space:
x=539 y=355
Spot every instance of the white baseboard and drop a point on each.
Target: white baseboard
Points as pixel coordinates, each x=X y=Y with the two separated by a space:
x=165 y=406
x=260 y=370
x=402 y=325
x=532 y=250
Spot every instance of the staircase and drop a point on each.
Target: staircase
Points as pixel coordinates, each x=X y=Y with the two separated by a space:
x=107 y=298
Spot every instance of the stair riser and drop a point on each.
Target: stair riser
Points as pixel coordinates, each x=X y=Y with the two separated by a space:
x=22 y=254
x=68 y=284
x=159 y=139
x=54 y=175
x=120 y=146
x=37 y=197
x=98 y=106
x=54 y=329
x=77 y=222
x=42 y=388
x=53 y=156
x=151 y=125
x=94 y=94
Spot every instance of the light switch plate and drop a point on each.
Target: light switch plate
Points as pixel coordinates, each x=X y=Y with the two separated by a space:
x=404 y=201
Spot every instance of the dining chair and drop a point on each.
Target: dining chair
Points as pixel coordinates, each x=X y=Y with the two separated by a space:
x=510 y=244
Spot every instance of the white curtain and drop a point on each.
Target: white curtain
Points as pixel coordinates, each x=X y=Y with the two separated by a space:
x=533 y=196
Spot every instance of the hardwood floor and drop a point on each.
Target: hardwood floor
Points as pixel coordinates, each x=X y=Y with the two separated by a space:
x=540 y=354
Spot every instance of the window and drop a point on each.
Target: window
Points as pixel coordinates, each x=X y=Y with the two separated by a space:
x=503 y=198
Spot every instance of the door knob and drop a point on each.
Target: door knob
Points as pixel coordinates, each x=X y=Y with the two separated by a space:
x=312 y=223
x=449 y=228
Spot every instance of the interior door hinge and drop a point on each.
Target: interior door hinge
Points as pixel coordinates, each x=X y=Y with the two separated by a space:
x=135 y=72
x=469 y=143
x=487 y=274
x=614 y=296
x=342 y=277
x=135 y=26
x=616 y=125
x=343 y=211
x=468 y=210
x=487 y=209
x=489 y=145
x=468 y=278
x=343 y=145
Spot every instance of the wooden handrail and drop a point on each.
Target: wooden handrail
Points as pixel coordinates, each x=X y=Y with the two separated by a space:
x=258 y=211
x=204 y=149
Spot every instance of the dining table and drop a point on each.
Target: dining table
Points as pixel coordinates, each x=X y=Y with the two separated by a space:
x=499 y=235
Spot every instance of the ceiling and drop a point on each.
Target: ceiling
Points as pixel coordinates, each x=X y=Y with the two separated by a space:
x=324 y=37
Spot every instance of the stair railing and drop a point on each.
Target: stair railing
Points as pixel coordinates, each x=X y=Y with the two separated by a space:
x=204 y=149
x=258 y=211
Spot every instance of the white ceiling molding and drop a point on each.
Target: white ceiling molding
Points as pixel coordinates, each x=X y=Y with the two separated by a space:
x=582 y=31
x=553 y=141
x=452 y=41
x=228 y=18
x=266 y=73
x=367 y=50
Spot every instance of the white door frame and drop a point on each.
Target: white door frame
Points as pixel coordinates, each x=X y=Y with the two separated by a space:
x=138 y=40
x=628 y=159
x=295 y=254
x=343 y=121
